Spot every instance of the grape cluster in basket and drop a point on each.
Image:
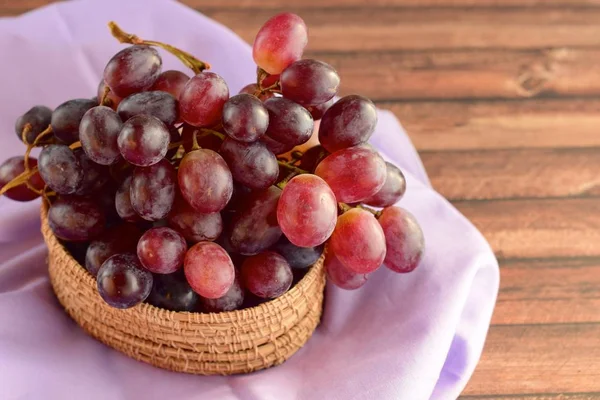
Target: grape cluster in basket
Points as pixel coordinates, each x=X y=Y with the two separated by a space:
x=170 y=191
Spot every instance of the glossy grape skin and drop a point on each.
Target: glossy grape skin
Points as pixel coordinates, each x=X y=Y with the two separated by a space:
x=404 y=239
x=112 y=100
x=38 y=117
x=245 y=118
x=98 y=133
x=205 y=139
x=143 y=140
x=280 y=42
x=312 y=157
x=159 y=104
x=358 y=241
x=66 y=118
x=76 y=219
x=161 y=250
x=202 y=98
x=119 y=239
x=254 y=227
x=354 y=174
x=123 y=202
x=205 y=181
x=266 y=275
x=274 y=146
x=289 y=122
x=122 y=282
x=133 y=69
x=341 y=276
x=153 y=190
x=298 y=257
x=307 y=211
x=60 y=169
x=319 y=110
x=172 y=82
x=251 y=164
x=193 y=225
x=13 y=167
x=349 y=122
x=95 y=176
x=252 y=88
x=393 y=189
x=209 y=270
x=309 y=82
x=172 y=292
x=232 y=300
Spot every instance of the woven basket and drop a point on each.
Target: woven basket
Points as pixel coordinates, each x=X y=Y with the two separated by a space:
x=196 y=343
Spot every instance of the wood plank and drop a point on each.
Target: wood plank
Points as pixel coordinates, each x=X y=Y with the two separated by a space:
x=538 y=396
x=500 y=174
x=538 y=228
x=539 y=359
x=500 y=124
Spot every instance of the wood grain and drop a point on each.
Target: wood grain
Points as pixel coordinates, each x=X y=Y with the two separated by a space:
x=336 y=4
x=547 y=396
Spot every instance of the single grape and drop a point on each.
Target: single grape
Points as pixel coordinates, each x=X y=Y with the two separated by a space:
x=193 y=225
x=123 y=202
x=153 y=190
x=312 y=157
x=76 y=219
x=298 y=257
x=354 y=174
x=266 y=275
x=95 y=176
x=358 y=241
x=161 y=250
x=67 y=117
x=202 y=98
x=60 y=169
x=254 y=227
x=276 y=147
x=38 y=117
x=341 y=276
x=119 y=239
x=404 y=239
x=122 y=282
x=171 y=82
x=172 y=292
x=232 y=300
x=307 y=211
x=392 y=190
x=158 y=104
x=205 y=181
x=319 y=110
x=209 y=270
x=133 y=69
x=251 y=164
x=309 y=82
x=280 y=42
x=205 y=139
x=112 y=100
x=245 y=118
x=289 y=122
x=12 y=168
x=349 y=122
x=98 y=133
x=252 y=88
x=143 y=140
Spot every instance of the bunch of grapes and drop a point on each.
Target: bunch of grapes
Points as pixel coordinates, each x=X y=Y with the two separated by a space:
x=170 y=191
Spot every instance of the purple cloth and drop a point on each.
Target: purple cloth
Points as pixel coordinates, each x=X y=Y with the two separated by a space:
x=415 y=336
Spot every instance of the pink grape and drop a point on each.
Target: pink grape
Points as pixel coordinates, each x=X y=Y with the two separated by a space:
x=153 y=190
x=404 y=239
x=209 y=270
x=133 y=69
x=358 y=241
x=289 y=122
x=245 y=118
x=232 y=300
x=98 y=133
x=119 y=239
x=172 y=82
x=280 y=42
x=341 y=276
x=266 y=275
x=202 y=99
x=12 y=168
x=113 y=99
x=309 y=82
x=251 y=164
x=38 y=117
x=76 y=219
x=307 y=211
x=193 y=225
x=143 y=140
x=122 y=282
x=393 y=189
x=123 y=202
x=161 y=250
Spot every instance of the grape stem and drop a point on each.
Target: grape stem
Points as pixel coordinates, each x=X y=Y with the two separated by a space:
x=105 y=101
x=292 y=167
x=343 y=207
x=26 y=129
x=189 y=60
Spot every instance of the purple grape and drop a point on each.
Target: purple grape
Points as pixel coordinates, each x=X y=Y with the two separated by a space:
x=123 y=202
x=393 y=189
x=67 y=117
x=132 y=70
x=251 y=164
x=172 y=292
x=119 y=239
x=245 y=118
x=153 y=190
x=76 y=219
x=60 y=168
x=38 y=117
x=289 y=122
x=232 y=300
x=98 y=133
x=309 y=82
x=158 y=104
x=298 y=257
x=122 y=282
x=143 y=140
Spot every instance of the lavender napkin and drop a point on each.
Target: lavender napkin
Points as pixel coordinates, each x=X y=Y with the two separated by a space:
x=415 y=336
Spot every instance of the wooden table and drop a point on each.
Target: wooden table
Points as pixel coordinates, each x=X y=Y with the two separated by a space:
x=501 y=98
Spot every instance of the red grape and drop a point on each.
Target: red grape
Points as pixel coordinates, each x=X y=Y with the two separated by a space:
x=341 y=276
x=172 y=292
x=120 y=239
x=144 y=140
x=319 y=110
x=161 y=250
x=232 y=300
x=123 y=202
x=245 y=118
x=209 y=270
x=95 y=176
x=289 y=122
x=251 y=164
x=67 y=117
x=193 y=225
x=98 y=133
x=153 y=190
x=404 y=239
x=354 y=174
x=252 y=88
x=349 y=122
x=171 y=82
x=132 y=70
x=298 y=257
x=122 y=282
x=276 y=147
x=113 y=99
x=280 y=42
x=158 y=104
x=38 y=117
x=312 y=157
x=12 y=168
x=309 y=82
x=202 y=98
x=393 y=189
x=76 y=219
x=307 y=211
x=60 y=169
x=266 y=275
x=205 y=181
x=358 y=241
